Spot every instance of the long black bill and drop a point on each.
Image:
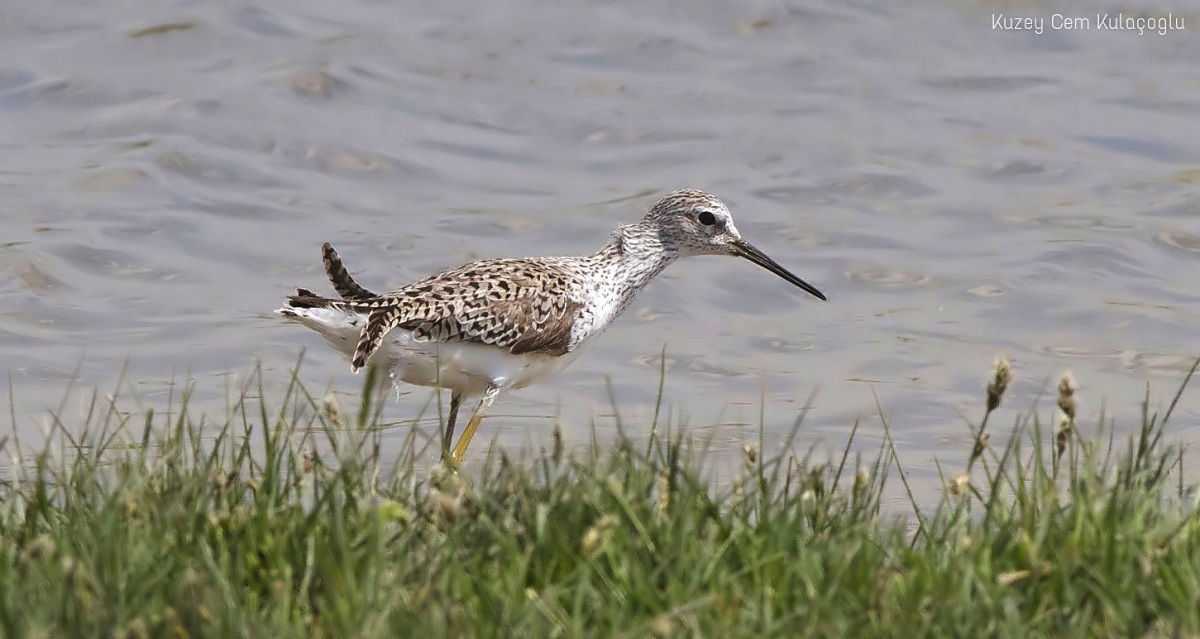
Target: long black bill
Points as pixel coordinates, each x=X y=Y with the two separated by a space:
x=748 y=251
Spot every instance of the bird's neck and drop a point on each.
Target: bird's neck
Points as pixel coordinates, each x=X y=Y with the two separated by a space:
x=632 y=257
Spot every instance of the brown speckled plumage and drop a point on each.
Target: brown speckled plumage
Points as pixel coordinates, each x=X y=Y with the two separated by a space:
x=520 y=305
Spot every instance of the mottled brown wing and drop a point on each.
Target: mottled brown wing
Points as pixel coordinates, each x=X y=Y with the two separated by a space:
x=522 y=306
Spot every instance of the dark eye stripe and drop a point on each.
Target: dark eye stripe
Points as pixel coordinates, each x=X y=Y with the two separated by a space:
x=707 y=218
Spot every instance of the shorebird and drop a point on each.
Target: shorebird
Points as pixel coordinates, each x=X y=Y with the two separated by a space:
x=494 y=325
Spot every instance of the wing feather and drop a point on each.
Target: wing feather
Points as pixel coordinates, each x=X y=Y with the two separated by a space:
x=523 y=306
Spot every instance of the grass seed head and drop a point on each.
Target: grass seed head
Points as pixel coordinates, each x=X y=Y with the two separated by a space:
x=599 y=532
x=1011 y=577
x=558 y=443
x=862 y=481
x=663 y=626
x=331 y=409
x=959 y=485
x=981 y=443
x=749 y=458
x=41 y=546
x=137 y=630
x=1066 y=396
x=1066 y=427
x=664 y=497
x=999 y=384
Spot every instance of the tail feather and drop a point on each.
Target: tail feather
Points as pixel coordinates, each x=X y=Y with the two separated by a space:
x=347 y=311
x=339 y=277
x=305 y=298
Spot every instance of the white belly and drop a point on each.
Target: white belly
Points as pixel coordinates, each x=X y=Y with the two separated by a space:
x=460 y=366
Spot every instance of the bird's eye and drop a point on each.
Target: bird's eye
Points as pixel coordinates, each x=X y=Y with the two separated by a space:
x=706 y=218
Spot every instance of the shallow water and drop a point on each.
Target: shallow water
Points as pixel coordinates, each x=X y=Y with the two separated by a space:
x=170 y=170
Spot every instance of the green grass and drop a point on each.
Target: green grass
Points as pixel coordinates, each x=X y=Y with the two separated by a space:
x=283 y=518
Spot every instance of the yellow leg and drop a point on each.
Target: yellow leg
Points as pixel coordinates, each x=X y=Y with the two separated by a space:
x=460 y=449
